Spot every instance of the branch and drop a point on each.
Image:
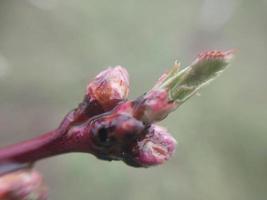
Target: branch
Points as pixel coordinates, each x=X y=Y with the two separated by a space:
x=111 y=128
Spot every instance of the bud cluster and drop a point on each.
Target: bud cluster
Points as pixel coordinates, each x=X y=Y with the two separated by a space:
x=110 y=127
x=128 y=132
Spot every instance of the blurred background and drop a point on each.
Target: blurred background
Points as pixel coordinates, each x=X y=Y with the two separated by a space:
x=50 y=49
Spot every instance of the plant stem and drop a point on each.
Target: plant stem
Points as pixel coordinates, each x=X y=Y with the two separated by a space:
x=34 y=149
x=68 y=137
x=50 y=144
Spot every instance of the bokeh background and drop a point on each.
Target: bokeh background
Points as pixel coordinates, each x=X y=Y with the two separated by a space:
x=50 y=49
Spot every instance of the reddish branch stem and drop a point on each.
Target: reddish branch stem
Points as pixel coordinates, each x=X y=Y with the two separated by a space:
x=54 y=142
x=31 y=150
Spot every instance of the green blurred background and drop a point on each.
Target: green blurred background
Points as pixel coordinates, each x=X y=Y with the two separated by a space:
x=50 y=49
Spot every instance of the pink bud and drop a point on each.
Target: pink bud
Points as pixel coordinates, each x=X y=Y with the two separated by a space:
x=176 y=86
x=155 y=148
x=26 y=184
x=110 y=86
x=157 y=105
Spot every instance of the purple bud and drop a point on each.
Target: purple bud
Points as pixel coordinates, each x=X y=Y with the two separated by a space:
x=109 y=86
x=156 y=147
x=26 y=184
x=157 y=105
x=176 y=86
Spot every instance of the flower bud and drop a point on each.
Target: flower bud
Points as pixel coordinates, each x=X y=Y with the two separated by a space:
x=26 y=184
x=109 y=86
x=176 y=86
x=157 y=106
x=156 y=147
